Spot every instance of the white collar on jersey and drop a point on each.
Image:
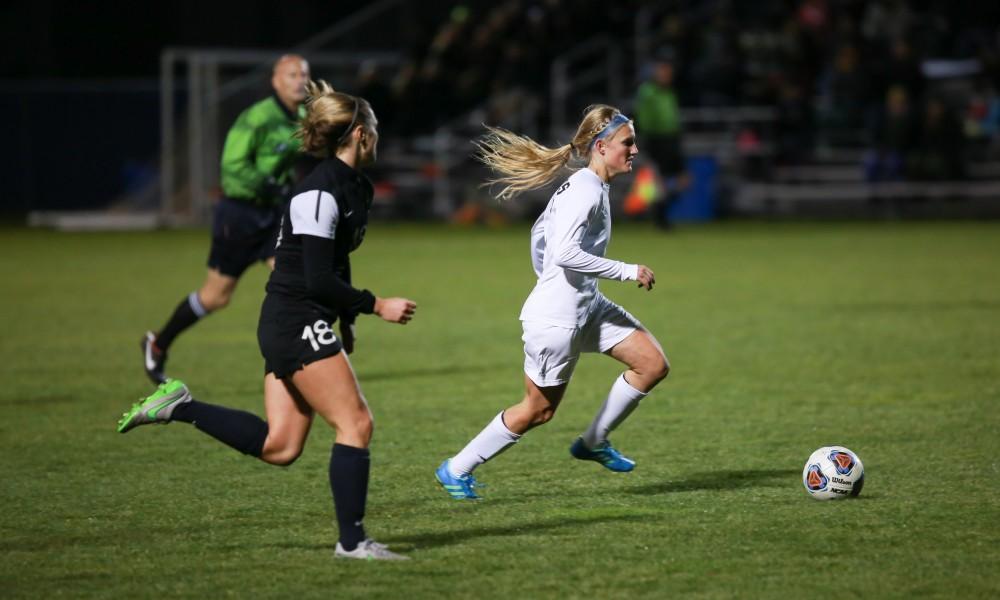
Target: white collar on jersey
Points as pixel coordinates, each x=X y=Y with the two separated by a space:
x=597 y=178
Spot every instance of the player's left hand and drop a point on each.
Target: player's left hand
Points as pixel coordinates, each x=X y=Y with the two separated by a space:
x=347 y=336
x=645 y=277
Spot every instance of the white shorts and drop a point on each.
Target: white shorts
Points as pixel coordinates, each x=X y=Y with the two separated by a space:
x=551 y=351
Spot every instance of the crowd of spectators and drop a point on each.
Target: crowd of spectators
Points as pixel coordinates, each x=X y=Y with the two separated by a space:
x=916 y=83
x=849 y=73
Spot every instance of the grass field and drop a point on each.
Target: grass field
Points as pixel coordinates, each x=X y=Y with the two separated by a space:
x=782 y=337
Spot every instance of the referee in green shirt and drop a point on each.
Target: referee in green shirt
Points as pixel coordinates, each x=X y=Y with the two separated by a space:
x=258 y=163
x=658 y=119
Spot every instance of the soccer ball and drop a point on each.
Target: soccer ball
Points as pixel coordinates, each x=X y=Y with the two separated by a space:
x=833 y=472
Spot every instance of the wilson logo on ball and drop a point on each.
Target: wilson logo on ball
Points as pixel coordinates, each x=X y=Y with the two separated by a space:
x=815 y=479
x=843 y=461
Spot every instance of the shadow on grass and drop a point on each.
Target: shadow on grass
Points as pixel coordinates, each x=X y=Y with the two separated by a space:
x=434 y=539
x=896 y=307
x=719 y=480
x=445 y=371
x=36 y=400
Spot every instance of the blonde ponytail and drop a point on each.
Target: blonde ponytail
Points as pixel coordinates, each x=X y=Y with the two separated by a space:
x=330 y=116
x=523 y=164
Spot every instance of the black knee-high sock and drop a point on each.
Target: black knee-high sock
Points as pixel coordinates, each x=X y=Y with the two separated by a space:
x=349 y=468
x=237 y=429
x=185 y=315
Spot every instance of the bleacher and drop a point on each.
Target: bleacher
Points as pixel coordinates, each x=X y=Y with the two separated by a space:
x=834 y=185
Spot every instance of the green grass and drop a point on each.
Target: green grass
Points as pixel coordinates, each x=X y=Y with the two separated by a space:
x=783 y=338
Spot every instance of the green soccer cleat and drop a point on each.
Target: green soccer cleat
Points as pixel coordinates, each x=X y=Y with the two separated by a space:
x=157 y=407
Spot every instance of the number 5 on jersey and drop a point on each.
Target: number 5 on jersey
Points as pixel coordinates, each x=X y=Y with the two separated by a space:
x=318 y=333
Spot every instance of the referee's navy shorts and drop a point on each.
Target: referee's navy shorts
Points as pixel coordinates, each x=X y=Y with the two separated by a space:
x=242 y=234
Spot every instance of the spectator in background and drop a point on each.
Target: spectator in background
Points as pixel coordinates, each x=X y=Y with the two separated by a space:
x=939 y=155
x=983 y=116
x=893 y=138
x=658 y=117
x=717 y=72
x=844 y=93
x=794 y=126
x=903 y=68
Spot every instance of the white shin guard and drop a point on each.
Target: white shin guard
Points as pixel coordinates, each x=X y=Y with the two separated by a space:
x=492 y=440
x=621 y=401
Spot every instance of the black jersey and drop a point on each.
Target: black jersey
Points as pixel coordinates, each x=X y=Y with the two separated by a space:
x=324 y=221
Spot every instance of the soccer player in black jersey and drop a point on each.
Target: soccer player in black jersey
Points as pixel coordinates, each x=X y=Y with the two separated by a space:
x=260 y=162
x=306 y=367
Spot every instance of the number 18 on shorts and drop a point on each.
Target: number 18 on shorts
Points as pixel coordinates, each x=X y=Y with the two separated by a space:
x=291 y=338
x=318 y=334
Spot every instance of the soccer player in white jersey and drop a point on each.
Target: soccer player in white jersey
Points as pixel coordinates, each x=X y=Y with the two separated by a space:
x=566 y=314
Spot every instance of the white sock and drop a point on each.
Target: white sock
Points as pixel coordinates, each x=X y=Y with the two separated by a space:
x=492 y=440
x=622 y=400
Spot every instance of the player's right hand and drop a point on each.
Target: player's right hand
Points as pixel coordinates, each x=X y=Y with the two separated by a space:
x=645 y=277
x=395 y=310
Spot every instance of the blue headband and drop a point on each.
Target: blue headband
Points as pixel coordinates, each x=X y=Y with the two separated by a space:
x=616 y=121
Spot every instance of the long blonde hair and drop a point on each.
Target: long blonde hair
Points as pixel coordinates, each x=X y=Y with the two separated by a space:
x=523 y=164
x=330 y=118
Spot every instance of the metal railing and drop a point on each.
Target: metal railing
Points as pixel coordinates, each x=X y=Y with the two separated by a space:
x=594 y=64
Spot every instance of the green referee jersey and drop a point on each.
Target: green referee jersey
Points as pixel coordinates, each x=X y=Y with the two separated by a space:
x=260 y=146
x=656 y=110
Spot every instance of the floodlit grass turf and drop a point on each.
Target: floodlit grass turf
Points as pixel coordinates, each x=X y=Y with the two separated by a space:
x=881 y=337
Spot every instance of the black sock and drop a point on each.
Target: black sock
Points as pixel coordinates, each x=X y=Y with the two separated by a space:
x=237 y=429
x=349 y=467
x=184 y=316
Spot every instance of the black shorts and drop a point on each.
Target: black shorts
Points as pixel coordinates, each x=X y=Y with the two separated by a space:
x=242 y=234
x=292 y=334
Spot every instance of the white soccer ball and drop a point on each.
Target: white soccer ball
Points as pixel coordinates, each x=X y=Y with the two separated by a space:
x=833 y=472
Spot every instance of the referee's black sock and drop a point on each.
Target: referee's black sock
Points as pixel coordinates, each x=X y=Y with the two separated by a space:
x=237 y=429
x=185 y=315
x=349 y=467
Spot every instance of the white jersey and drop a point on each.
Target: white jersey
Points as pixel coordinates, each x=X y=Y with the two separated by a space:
x=568 y=242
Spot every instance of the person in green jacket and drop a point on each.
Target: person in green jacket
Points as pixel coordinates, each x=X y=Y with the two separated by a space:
x=257 y=172
x=657 y=115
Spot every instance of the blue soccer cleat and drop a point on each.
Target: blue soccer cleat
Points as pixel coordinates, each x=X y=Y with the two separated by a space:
x=604 y=454
x=459 y=488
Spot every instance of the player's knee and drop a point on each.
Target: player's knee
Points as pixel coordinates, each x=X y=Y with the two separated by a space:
x=661 y=368
x=216 y=301
x=542 y=415
x=359 y=427
x=282 y=456
x=367 y=429
x=286 y=459
x=654 y=369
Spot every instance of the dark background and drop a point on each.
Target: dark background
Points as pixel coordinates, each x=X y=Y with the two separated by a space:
x=80 y=91
x=58 y=39
x=79 y=84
